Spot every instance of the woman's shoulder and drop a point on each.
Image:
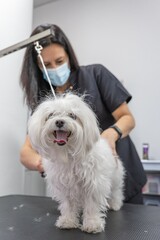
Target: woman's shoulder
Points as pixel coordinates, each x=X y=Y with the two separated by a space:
x=96 y=69
x=93 y=70
x=92 y=67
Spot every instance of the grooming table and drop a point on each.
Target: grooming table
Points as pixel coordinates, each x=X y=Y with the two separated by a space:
x=32 y=218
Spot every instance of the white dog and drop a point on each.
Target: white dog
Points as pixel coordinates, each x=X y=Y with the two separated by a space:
x=82 y=173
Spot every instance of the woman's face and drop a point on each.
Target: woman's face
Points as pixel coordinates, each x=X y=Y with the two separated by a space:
x=53 y=56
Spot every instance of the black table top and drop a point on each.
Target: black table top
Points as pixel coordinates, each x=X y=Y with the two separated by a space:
x=33 y=218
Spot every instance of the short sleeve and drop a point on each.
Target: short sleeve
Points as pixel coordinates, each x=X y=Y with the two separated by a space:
x=112 y=91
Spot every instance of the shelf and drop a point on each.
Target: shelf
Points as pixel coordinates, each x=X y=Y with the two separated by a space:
x=151 y=165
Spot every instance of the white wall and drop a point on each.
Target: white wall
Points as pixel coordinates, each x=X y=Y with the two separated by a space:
x=15 y=26
x=125 y=37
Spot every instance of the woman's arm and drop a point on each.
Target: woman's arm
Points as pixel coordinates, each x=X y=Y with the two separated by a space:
x=30 y=158
x=124 y=121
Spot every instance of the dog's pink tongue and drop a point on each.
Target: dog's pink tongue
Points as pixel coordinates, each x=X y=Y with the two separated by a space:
x=61 y=137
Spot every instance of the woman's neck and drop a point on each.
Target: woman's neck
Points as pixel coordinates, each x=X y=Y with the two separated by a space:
x=63 y=88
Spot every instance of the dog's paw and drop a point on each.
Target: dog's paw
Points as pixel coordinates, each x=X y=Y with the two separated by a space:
x=93 y=225
x=115 y=205
x=64 y=222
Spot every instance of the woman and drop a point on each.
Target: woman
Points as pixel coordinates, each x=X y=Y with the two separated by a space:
x=106 y=95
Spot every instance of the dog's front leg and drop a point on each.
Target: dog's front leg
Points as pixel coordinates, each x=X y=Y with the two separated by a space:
x=93 y=218
x=69 y=215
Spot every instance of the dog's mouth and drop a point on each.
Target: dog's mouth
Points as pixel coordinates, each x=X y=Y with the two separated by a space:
x=61 y=137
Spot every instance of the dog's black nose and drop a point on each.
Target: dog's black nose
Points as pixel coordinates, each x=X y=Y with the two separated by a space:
x=59 y=123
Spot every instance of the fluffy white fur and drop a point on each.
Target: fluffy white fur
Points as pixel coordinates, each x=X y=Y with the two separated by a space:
x=82 y=174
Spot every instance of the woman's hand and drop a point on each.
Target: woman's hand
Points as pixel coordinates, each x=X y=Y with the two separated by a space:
x=111 y=136
x=30 y=158
x=39 y=166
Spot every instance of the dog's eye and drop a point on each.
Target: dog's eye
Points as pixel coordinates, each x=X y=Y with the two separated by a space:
x=72 y=115
x=49 y=116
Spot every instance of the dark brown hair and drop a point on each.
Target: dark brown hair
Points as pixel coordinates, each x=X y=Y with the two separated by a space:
x=31 y=78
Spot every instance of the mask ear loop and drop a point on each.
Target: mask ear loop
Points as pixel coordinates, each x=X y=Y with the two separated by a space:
x=38 y=49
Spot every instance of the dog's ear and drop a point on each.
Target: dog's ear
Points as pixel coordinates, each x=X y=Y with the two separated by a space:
x=90 y=126
x=91 y=134
x=35 y=125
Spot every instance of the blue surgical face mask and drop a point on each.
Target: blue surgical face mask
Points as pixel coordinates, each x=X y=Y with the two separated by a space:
x=59 y=75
